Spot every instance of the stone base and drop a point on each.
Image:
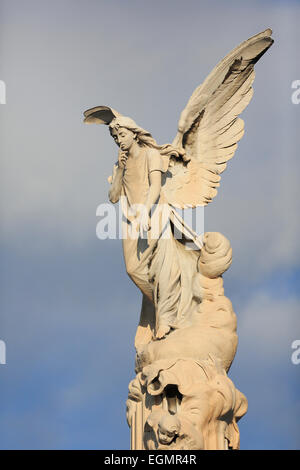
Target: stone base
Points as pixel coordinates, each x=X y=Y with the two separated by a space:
x=184 y=404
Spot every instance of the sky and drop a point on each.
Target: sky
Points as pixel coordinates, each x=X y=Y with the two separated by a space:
x=68 y=311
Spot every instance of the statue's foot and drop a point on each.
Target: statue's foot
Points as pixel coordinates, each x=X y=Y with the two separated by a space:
x=162 y=331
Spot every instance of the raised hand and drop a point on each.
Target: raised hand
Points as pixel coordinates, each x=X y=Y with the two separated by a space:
x=122 y=159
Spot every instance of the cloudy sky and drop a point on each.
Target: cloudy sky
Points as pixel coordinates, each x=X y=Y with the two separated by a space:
x=68 y=311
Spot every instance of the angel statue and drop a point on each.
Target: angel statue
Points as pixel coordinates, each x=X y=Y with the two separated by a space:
x=152 y=180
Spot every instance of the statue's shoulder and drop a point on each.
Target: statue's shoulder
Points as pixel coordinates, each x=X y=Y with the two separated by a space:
x=155 y=161
x=152 y=152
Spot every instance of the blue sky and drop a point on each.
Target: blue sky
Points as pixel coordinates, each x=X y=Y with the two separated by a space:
x=68 y=310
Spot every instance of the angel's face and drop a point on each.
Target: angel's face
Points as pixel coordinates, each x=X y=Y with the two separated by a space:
x=124 y=138
x=168 y=428
x=165 y=436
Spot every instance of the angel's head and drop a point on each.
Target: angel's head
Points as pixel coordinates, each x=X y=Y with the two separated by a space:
x=124 y=138
x=126 y=132
x=168 y=429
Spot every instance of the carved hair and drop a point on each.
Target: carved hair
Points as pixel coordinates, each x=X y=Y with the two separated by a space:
x=144 y=138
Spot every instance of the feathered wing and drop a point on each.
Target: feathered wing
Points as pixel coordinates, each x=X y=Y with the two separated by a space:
x=209 y=127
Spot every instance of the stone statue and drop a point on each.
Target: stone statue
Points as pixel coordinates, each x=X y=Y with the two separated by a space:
x=186 y=340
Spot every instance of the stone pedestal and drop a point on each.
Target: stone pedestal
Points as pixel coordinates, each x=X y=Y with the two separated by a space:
x=181 y=397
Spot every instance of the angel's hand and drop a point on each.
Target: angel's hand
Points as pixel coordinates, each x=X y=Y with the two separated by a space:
x=143 y=222
x=122 y=159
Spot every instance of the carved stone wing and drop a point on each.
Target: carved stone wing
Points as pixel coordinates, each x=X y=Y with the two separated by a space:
x=209 y=127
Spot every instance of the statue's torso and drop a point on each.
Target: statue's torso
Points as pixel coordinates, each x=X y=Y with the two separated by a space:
x=136 y=179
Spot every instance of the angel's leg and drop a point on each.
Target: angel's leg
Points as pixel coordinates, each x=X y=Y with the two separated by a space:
x=166 y=275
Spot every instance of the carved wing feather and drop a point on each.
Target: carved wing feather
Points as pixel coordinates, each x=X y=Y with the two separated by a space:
x=210 y=128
